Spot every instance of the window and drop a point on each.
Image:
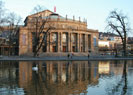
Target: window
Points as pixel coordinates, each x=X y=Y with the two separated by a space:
x=44 y=48
x=54 y=37
x=73 y=49
x=64 y=38
x=74 y=38
x=82 y=39
x=64 y=49
x=54 y=49
x=95 y=42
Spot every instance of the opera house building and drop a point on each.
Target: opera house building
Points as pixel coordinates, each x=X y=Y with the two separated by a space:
x=65 y=36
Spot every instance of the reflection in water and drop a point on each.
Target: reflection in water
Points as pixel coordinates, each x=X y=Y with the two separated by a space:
x=104 y=67
x=121 y=87
x=9 y=79
x=66 y=78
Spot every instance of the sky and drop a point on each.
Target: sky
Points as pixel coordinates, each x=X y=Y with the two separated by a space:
x=95 y=11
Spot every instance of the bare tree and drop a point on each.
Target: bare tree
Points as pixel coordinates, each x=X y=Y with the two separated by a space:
x=9 y=22
x=13 y=22
x=2 y=13
x=41 y=29
x=38 y=8
x=40 y=36
x=118 y=22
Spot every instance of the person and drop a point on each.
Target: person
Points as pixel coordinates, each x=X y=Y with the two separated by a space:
x=88 y=55
x=71 y=55
x=68 y=55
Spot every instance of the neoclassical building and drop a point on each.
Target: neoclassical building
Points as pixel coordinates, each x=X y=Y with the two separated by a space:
x=68 y=35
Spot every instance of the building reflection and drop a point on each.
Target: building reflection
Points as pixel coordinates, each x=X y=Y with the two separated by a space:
x=111 y=67
x=104 y=67
x=60 y=77
x=25 y=73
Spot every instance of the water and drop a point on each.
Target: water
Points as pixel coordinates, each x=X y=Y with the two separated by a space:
x=66 y=78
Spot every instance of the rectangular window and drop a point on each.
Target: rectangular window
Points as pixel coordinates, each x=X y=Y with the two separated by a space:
x=44 y=48
x=64 y=48
x=54 y=49
x=54 y=37
x=64 y=38
x=74 y=38
x=73 y=49
x=95 y=42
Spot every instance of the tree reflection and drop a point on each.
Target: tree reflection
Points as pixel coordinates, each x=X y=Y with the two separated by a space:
x=124 y=76
x=121 y=87
x=66 y=78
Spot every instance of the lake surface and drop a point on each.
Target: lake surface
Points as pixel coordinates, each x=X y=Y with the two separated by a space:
x=66 y=78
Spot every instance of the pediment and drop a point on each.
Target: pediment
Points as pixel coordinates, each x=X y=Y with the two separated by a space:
x=42 y=14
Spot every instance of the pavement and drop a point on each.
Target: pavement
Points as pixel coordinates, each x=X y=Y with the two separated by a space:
x=62 y=58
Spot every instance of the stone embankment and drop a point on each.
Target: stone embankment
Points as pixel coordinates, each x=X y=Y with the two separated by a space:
x=62 y=58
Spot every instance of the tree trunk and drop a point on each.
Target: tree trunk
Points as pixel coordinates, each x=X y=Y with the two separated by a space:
x=124 y=45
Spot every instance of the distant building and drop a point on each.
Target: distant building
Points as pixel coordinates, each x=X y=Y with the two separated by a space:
x=130 y=43
x=108 y=43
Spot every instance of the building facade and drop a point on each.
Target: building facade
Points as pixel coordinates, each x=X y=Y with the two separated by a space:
x=8 y=41
x=68 y=35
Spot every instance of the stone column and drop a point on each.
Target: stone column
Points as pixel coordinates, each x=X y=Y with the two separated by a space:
x=92 y=42
x=48 y=43
x=76 y=43
x=79 y=42
x=50 y=39
x=89 y=41
x=86 y=43
x=61 y=42
x=58 y=42
x=69 y=41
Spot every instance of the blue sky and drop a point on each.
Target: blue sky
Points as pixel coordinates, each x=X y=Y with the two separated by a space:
x=95 y=11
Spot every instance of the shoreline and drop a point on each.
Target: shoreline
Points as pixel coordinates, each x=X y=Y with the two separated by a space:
x=62 y=58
